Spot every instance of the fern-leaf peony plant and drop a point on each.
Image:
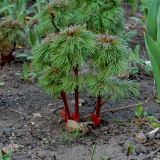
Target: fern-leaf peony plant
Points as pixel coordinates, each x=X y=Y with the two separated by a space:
x=59 y=60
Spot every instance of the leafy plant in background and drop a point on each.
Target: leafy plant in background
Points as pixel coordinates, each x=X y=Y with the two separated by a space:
x=49 y=17
x=139 y=66
x=100 y=16
x=144 y=7
x=11 y=34
x=139 y=5
x=14 y=10
x=152 y=41
x=134 y=5
x=143 y=117
x=26 y=74
x=153 y=121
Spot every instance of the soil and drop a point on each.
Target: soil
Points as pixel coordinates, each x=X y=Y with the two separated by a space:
x=42 y=137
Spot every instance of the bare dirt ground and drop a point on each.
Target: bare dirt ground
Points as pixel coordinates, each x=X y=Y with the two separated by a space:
x=44 y=138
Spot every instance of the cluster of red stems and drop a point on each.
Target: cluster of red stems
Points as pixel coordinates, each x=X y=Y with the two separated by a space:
x=66 y=115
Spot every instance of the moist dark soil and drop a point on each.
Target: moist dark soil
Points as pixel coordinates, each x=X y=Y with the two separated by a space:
x=45 y=138
x=42 y=137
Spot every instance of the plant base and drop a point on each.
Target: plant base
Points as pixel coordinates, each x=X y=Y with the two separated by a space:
x=75 y=117
x=64 y=116
x=158 y=99
x=96 y=120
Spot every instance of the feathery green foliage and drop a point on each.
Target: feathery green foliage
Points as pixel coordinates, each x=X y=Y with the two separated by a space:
x=109 y=60
x=15 y=10
x=99 y=16
x=71 y=47
x=111 y=87
x=104 y=16
x=63 y=53
x=45 y=21
x=111 y=55
x=11 y=33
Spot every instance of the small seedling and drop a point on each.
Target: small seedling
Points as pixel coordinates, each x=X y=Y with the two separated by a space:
x=139 y=66
x=7 y=156
x=145 y=118
x=26 y=74
x=104 y=158
x=139 y=111
x=93 y=151
x=153 y=121
x=1 y=84
x=70 y=137
x=131 y=149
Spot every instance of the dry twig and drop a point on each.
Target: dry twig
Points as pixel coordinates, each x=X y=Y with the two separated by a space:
x=115 y=109
x=151 y=154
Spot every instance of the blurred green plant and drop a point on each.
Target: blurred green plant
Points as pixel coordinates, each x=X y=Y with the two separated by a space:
x=152 y=41
x=1 y=83
x=26 y=74
x=140 y=112
x=153 y=121
x=144 y=7
x=14 y=10
x=71 y=137
x=134 y=5
x=131 y=149
x=7 y=156
x=99 y=16
x=11 y=35
x=143 y=117
x=138 y=65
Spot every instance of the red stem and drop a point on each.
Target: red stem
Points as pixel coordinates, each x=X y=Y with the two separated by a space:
x=76 y=101
x=98 y=106
x=64 y=98
x=7 y=58
x=76 y=94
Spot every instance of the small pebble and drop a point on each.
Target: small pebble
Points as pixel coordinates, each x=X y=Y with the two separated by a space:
x=141 y=138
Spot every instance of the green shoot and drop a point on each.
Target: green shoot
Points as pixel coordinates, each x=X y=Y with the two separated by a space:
x=93 y=152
